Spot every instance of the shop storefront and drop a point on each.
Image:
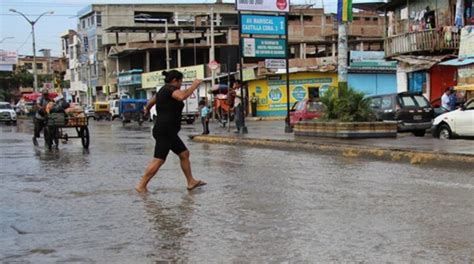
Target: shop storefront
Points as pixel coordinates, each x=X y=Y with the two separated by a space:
x=152 y=80
x=130 y=83
x=271 y=92
x=370 y=73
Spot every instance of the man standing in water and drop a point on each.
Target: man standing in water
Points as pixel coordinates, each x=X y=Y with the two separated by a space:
x=169 y=105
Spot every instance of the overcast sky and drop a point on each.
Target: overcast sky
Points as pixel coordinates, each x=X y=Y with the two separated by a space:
x=49 y=28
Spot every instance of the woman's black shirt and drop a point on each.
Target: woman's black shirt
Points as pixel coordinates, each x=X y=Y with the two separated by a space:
x=168 y=109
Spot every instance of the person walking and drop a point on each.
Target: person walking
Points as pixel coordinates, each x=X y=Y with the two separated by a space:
x=40 y=116
x=238 y=115
x=169 y=106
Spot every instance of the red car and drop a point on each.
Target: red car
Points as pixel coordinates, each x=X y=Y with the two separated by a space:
x=305 y=110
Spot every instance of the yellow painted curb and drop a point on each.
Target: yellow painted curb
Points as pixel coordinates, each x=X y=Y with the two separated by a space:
x=411 y=156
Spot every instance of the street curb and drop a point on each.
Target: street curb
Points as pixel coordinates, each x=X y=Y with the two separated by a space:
x=394 y=154
x=268 y=118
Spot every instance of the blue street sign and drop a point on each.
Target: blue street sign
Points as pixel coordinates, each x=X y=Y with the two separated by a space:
x=263 y=25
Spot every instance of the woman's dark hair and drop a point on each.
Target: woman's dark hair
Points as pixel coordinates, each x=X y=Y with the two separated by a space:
x=172 y=75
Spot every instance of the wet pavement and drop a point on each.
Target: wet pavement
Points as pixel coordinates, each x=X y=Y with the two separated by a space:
x=261 y=205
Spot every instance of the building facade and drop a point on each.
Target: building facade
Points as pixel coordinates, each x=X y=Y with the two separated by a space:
x=116 y=39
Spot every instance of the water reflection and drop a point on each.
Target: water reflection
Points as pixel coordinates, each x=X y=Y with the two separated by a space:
x=170 y=226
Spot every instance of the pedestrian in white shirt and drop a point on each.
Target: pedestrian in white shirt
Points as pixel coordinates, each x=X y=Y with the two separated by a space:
x=446 y=98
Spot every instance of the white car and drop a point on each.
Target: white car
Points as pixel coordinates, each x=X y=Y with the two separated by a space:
x=7 y=114
x=459 y=122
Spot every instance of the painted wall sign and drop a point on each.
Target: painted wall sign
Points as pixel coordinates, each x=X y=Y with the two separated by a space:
x=156 y=78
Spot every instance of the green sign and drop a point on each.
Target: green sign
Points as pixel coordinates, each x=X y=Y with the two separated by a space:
x=263 y=48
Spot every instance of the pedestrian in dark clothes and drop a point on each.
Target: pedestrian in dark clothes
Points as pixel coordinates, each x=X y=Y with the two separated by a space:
x=169 y=106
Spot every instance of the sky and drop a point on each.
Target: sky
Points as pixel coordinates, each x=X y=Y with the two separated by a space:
x=49 y=28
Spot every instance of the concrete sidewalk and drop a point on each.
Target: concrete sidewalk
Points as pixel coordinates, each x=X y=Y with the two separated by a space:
x=271 y=134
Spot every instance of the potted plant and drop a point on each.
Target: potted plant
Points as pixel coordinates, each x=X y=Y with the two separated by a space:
x=347 y=114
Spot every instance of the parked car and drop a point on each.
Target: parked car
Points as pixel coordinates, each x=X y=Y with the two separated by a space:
x=305 y=110
x=89 y=112
x=7 y=114
x=459 y=122
x=411 y=111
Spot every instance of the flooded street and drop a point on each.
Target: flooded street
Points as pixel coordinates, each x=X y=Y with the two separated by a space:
x=260 y=205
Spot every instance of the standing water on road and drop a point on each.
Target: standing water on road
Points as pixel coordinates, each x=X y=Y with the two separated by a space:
x=260 y=205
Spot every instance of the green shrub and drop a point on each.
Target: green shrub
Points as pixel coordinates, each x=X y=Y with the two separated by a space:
x=346 y=105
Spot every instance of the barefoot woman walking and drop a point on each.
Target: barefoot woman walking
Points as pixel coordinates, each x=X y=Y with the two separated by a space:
x=169 y=105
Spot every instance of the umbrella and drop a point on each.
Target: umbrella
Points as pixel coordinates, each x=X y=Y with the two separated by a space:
x=34 y=96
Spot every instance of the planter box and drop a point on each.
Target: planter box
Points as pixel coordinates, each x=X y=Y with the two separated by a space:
x=314 y=128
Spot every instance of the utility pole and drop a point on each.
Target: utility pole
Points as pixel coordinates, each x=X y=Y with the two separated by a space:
x=212 y=51
x=342 y=55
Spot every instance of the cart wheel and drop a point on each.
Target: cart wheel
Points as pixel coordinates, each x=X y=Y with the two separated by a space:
x=85 y=137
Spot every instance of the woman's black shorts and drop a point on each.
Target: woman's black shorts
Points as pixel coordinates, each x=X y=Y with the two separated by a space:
x=166 y=140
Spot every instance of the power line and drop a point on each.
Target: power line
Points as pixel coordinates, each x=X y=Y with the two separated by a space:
x=24 y=42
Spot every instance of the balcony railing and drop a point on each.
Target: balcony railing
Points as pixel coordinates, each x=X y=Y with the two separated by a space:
x=428 y=41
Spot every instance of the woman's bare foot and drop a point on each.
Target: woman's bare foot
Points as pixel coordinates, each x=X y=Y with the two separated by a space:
x=141 y=189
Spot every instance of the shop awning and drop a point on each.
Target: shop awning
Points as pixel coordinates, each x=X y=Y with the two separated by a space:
x=458 y=62
x=419 y=63
x=469 y=87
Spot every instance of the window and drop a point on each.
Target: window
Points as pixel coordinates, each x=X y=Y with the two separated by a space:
x=375 y=19
x=315 y=107
x=386 y=102
x=376 y=102
x=73 y=75
x=407 y=101
x=367 y=19
x=300 y=106
x=98 y=18
x=356 y=18
x=85 y=41
x=92 y=20
x=39 y=66
x=29 y=66
x=421 y=101
x=83 y=24
x=99 y=42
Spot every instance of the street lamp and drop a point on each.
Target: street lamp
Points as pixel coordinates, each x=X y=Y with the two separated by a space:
x=32 y=23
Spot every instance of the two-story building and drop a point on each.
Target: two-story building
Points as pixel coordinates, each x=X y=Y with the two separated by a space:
x=420 y=34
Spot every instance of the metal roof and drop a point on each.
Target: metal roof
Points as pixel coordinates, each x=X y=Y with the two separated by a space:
x=458 y=62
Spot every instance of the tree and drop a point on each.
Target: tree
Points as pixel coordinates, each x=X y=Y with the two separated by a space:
x=12 y=81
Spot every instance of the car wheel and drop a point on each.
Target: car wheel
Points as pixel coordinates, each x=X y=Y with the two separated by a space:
x=444 y=132
x=419 y=133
